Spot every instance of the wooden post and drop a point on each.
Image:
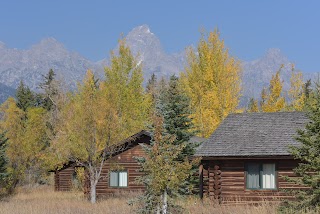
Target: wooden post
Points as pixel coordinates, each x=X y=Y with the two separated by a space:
x=211 y=181
x=217 y=183
x=201 y=181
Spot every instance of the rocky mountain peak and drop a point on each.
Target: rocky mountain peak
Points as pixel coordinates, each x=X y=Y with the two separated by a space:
x=142 y=40
x=48 y=44
x=140 y=30
x=275 y=55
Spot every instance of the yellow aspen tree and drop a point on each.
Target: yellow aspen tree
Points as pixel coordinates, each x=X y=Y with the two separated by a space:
x=212 y=80
x=26 y=133
x=89 y=130
x=253 y=106
x=100 y=115
x=296 y=92
x=272 y=99
x=123 y=85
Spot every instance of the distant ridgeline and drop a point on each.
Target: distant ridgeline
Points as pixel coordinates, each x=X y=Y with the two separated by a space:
x=31 y=64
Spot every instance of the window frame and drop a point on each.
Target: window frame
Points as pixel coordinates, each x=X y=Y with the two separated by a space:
x=261 y=177
x=118 y=178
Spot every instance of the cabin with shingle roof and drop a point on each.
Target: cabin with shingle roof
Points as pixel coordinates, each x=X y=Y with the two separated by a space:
x=247 y=156
x=119 y=173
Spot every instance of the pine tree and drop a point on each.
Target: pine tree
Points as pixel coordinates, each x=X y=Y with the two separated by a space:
x=25 y=97
x=212 y=81
x=3 y=159
x=175 y=108
x=308 y=154
x=163 y=172
x=50 y=90
x=3 y=165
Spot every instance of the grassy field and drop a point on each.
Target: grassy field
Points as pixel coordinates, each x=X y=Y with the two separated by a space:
x=43 y=200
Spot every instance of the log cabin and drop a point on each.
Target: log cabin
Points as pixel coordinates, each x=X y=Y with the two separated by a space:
x=124 y=163
x=119 y=173
x=247 y=156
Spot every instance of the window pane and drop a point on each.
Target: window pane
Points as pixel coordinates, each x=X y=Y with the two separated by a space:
x=268 y=176
x=113 y=179
x=253 y=176
x=123 y=179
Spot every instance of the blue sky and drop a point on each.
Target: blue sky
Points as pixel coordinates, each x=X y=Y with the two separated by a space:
x=92 y=28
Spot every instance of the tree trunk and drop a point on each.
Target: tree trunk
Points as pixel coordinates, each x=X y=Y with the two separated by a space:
x=92 y=191
x=165 y=202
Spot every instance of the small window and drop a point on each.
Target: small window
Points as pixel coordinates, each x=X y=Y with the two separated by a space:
x=261 y=176
x=118 y=179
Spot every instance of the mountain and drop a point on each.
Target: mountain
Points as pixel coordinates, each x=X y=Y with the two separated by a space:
x=30 y=65
x=258 y=73
x=147 y=46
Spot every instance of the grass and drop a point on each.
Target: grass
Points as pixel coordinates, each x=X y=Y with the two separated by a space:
x=46 y=201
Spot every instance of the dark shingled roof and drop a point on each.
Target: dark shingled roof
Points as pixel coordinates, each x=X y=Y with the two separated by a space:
x=254 y=134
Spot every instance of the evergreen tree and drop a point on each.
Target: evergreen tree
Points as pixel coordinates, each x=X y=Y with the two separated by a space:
x=152 y=91
x=308 y=154
x=50 y=88
x=151 y=87
x=163 y=172
x=25 y=97
x=175 y=109
x=3 y=159
x=3 y=165
x=307 y=90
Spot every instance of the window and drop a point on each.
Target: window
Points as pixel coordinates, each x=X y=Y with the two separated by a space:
x=261 y=176
x=118 y=179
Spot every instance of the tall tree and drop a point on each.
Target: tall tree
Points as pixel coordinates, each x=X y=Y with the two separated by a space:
x=272 y=99
x=212 y=81
x=174 y=106
x=50 y=90
x=3 y=159
x=3 y=165
x=98 y=116
x=152 y=90
x=26 y=142
x=124 y=86
x=308 y=153
x=296 y=92
x=25 y=97
x=88 y=129
x=163 y=172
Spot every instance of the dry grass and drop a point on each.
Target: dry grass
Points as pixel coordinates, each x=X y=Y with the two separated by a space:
x=45 y=201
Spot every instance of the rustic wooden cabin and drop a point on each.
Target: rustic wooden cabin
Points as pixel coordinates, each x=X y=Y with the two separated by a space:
x=124 y=163
x=247 y=156
x=119 y=172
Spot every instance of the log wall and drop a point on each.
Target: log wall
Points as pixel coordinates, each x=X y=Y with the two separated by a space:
x=122 y=161
x=231 y=184
x=63 y=179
